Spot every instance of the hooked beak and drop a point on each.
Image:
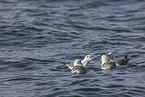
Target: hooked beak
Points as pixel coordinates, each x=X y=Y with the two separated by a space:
x=92 y=56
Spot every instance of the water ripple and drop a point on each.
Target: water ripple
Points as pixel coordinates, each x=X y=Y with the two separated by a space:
x=38 y=38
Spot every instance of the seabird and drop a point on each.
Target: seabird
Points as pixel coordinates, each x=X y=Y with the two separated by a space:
x=79 y=68
x=123 y=61
x=107 y=65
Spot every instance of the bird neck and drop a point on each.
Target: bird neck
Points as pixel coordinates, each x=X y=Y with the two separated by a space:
x=104 y=61
x=75 y=63
x=84 y=62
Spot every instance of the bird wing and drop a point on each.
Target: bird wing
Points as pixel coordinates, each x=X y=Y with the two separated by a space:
x=108 y=65
x=123 y=61
x=70 y=65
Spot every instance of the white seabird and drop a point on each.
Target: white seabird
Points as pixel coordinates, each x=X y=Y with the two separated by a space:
x=77 y=68
x=107 y=65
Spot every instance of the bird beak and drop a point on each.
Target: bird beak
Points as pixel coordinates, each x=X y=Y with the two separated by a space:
x=91 y=55
x=92 y=58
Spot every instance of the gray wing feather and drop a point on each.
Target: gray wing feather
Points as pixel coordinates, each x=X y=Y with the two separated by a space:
x=109 y=65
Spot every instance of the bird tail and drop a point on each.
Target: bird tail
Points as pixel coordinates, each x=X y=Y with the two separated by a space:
x=125 y=57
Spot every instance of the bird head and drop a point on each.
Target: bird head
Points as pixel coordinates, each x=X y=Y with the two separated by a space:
x=76 y=62
x=104 y=59
x=111 y=56
x=88 y=58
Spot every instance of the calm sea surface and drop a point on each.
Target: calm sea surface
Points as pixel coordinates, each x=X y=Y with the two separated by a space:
x=38 y=37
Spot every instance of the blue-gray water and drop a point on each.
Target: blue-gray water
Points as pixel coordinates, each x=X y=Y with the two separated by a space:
x=38 y=37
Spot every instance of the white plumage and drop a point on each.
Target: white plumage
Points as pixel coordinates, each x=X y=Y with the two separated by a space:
x=107 y=65
x=79 y=68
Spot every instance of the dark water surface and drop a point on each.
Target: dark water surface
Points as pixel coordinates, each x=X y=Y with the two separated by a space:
x=38 y=37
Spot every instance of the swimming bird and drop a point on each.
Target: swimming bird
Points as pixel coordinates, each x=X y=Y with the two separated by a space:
x=107 y=65
x=85 y=62
x=78 y=68
x=81 y=66
x=123 y=61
